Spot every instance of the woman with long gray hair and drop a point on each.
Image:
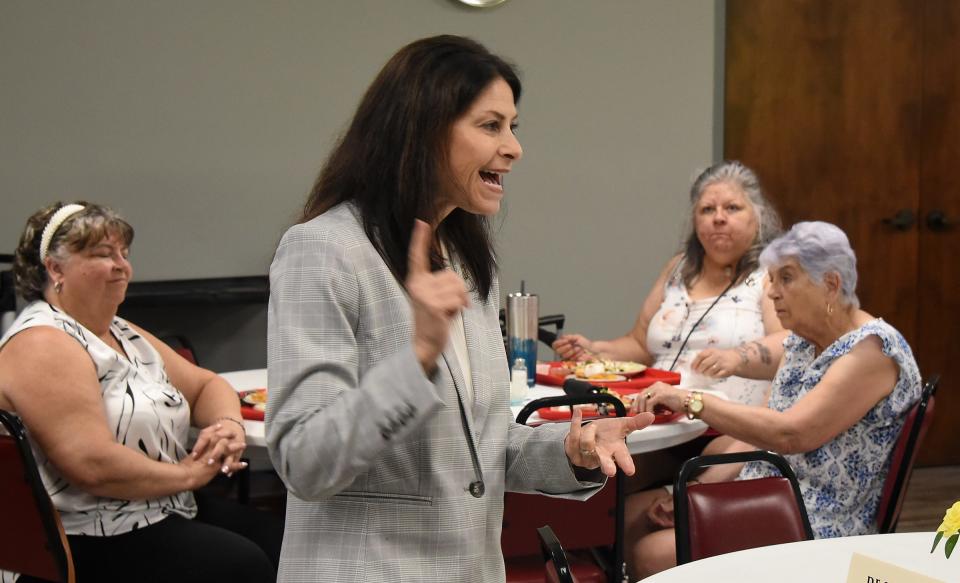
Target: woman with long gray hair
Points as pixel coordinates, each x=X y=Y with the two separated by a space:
x=707 y=311
x=707 y=316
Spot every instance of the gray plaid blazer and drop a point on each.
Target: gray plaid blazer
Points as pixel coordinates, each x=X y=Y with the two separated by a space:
x=374 y=453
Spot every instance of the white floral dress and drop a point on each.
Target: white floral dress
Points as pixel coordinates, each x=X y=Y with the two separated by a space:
x=736 y=318
x=841 y=481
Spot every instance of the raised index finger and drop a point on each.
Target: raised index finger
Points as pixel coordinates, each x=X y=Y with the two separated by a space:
x=418 y=254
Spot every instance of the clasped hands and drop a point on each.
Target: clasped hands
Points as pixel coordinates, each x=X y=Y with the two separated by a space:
x=218 y=448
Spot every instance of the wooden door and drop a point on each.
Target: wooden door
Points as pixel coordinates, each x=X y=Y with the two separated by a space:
x=938 y=336
x=825 y=100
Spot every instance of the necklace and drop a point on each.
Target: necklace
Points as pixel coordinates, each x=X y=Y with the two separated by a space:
x=697 y=323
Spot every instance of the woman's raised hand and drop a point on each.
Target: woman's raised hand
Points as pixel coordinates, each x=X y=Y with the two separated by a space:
x=436 y=298
x=600 y=444
x=574 y=347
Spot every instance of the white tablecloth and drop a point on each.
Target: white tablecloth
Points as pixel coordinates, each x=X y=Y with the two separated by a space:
x=818 y=560
x=652 y=438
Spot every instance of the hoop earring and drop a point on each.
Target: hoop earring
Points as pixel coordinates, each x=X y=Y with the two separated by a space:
x=58 y=287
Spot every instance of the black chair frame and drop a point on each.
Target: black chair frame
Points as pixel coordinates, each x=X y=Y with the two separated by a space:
x=694 y=465
x=888 y=523
x=553 y=552
x=18 y=433
x=616 y=568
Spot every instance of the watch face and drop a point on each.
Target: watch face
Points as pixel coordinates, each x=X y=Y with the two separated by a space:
x=696 y=405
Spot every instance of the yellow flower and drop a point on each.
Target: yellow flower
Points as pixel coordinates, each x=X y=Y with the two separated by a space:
x=951 y=520
x=949 y=529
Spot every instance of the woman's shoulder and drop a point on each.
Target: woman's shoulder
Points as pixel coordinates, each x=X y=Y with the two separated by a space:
x=42 y=340
x=891 y=339
x=672 y=272
x=878 y=336
x=37 y=314
x=339 y=225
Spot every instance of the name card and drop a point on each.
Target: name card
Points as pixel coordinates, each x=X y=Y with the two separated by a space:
x=864 y=569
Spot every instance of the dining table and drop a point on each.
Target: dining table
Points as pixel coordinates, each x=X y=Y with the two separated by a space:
x=652 y=438
x=826 y=559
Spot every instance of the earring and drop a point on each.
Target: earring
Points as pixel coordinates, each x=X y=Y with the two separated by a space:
x=58 y=287
x=829 y=309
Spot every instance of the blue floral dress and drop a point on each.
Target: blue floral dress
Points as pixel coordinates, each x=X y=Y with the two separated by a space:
x=841 y=481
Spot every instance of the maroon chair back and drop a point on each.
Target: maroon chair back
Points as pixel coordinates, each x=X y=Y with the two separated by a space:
x=710 y=518
x=903 y=456
x=33 y=542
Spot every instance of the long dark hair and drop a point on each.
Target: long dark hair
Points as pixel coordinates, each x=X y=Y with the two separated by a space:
x=392 y=161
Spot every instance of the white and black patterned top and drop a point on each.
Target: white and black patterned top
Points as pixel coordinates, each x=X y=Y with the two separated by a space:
x=841 y=481
x=144 y=411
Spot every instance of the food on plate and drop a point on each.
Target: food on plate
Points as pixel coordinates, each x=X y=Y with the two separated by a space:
x=624 y=367
x=592 y=369
x=602 y=377
x=596 y=370
x=256 y=398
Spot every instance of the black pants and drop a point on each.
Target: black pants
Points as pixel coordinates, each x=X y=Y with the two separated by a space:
x=225 y=542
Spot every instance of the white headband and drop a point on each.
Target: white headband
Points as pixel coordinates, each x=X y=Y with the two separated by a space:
x=62 y=214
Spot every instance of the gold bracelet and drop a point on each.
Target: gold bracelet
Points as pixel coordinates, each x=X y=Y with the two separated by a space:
x=237 y=421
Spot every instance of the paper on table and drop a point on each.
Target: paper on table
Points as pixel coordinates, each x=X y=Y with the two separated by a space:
x=864 y=569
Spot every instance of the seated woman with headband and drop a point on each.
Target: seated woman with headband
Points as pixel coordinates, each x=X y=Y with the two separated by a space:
x=108 y=409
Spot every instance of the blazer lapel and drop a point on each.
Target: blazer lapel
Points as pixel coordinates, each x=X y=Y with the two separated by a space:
x=453 y=366
x=475 y=332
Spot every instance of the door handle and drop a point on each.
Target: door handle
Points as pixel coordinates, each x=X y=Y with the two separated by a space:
x=938 y=221
x=902 y=221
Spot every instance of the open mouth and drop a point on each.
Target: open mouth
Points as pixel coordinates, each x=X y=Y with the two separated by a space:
x=491 y=178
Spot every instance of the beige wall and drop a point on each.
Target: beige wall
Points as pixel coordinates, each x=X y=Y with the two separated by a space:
x=205 y=122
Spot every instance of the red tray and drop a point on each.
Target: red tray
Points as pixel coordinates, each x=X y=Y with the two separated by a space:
x=248 y=411
x=641 y=381
x=563 y=414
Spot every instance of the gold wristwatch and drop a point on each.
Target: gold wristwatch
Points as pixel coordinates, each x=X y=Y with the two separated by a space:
x=693 y=405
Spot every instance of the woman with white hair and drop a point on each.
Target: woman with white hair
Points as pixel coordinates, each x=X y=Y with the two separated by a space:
x=844 y=385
